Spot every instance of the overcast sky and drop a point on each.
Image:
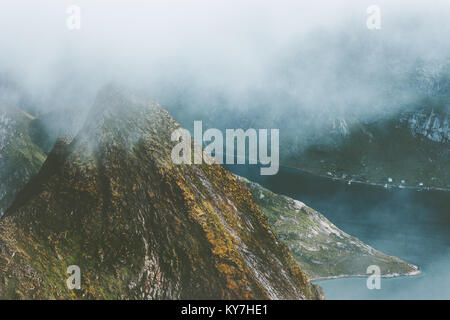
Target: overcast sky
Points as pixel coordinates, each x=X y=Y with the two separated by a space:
x=231 y=47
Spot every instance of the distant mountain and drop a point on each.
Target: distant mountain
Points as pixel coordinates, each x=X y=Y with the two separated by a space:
x=320 y=248
x=408 y=149
x=20 y=157
x=138 y=226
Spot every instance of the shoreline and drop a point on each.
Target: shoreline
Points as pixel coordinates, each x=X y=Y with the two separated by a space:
x=375 y=184
x=389 y=275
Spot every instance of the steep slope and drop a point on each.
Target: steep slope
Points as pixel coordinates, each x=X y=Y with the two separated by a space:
x=138 y=226
x=320 y=248
x=20 y=158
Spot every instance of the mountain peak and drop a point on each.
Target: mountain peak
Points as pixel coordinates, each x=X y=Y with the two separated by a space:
x=139 y=226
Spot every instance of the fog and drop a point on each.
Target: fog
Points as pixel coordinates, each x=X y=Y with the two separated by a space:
x=314 y=57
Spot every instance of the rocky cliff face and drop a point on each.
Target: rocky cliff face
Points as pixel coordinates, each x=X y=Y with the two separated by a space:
x=138 y=226
x=430 y=123
x=20 y=158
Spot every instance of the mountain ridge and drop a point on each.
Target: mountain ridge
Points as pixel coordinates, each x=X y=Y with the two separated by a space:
x=139 y=226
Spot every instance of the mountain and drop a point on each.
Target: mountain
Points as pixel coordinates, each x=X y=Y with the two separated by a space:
x=139 y=227
x=20 y=157
x=320 y=248
x=410 y=148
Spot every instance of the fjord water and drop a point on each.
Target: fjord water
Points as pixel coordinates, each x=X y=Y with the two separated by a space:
x=411 y=224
